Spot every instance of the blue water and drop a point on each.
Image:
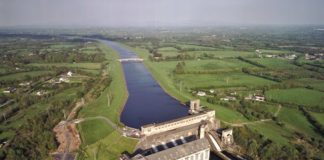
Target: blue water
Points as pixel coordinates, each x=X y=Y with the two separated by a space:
x=147 y=102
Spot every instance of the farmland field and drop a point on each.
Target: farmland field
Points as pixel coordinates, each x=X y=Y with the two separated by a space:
x=275 y=63
x=70 y=65
x=319 y=117
x=296 y=121
x=222 y=80
x=23 y=75
x=299 y=96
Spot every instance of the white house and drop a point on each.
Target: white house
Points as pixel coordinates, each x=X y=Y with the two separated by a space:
x=69 y=74
x=64 y=79
x=201 y=94
x=228 y=98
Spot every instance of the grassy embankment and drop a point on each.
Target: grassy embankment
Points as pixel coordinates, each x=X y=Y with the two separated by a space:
x=161 y=73
x=99 y=139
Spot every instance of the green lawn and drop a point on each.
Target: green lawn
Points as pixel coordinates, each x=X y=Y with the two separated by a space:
x=110 y=147
x=99 y=128
x=23 y=75
x=299 y=96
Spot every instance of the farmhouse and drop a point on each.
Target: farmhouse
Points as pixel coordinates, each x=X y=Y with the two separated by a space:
x=255 y=97
x=24 y=84
x=228 y=98
x=9 y=90
x=201 y=93
x=69 y=74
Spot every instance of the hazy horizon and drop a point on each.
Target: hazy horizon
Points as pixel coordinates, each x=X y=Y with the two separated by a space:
x=146 y=13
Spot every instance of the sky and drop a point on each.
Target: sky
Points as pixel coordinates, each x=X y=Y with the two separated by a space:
x=128 y=13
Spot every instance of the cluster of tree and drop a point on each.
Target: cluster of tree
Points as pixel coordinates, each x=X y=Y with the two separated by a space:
x=35 y=139
x=261 y=74
x=256 y=146
x=315 y=142
x=98 y=89
x=180 y=68
x=250 y=110
x=319 y=127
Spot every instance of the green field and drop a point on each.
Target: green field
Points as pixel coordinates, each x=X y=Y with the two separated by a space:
x=224 y=53
x=194 y=46
x=167 y=49
x=214 y=65
x=222 y=80
x=269 y=51
x=23 y=75
x=319 y=117
x=299 y=96
x=110 y=147
x=216 y=54
x=275 y=63
x=315 y=83
x=227 y=114
x=272 y=131
x=69 y=65
x=99 y=127
x=296 y=121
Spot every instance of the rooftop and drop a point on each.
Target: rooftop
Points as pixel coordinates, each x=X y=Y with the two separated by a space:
x=179 y=151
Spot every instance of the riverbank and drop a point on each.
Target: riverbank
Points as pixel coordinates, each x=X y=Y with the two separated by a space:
x=97 y=135
x=165 y=81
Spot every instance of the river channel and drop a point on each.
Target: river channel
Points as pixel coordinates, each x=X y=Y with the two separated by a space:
x=147 y=102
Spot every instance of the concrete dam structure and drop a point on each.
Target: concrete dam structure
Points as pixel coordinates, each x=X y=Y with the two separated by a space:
x=190 y=137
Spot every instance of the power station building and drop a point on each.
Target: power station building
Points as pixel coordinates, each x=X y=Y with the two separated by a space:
x=186 y=138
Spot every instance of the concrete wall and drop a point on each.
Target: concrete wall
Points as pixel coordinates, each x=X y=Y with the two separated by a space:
x=201 y=155
x=173 y=124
